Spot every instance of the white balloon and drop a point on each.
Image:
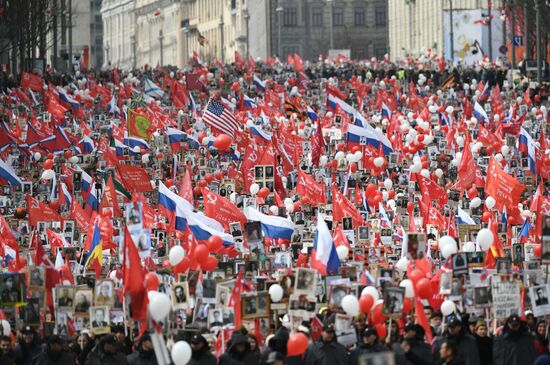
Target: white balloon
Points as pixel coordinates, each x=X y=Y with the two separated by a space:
x=526 y=213
x=468 y=247
x=112 y=276
x=145 y=158
x=439 y=173
x=460 y=141
x=498 y=157
x=447 y=241
x=371 y=290
x=350 y=304
x=6 y=327
x=476 y=202
x=176 y=255
x=254 y=188
x=388 y=184
x=274 y=209
x=233 y=197
x=48 y=174
x=425 y=173
x=432 y=109
x=151 y=294
x=485 y=238
x=323 y=160
x=448 y=307
x=505 y=149
x=181 y=353
x=289 y=208
x=391 y=204
x=350 y=157
x=276 y=293
x=284 y=180
x=358 y=155
x=378 y=161
x=448 y=250
x=455 y=162
x=408 y=285
x=402 y=264
x=37 y=156
x=160 y=306
x=136 y=149
x=490 y=202
x=73 y=159
x=339 y=156
x=342 y=252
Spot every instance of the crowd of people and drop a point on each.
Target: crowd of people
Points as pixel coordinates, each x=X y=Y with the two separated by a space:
x=261 y=212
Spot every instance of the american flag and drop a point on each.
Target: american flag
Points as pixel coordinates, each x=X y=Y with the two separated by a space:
x=217 y=116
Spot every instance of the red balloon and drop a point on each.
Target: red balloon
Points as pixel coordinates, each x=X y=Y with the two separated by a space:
x=353 y=167
x=365 y=303
x=371 y=189
x=235 y=86
x=218 y=175
x=208 y=177
x=166 y=264
x=472 y=193
x=263 y=193
x=486 y=216
x=407 y=305
x=183 y=265
x=423 y=288
x=211 y=263
x=201 y=254
x=215 y=243
x=169 y=183
x=376 y=315
x=416 y=275
x=203 y=183
x=222 y=142
x=297 y=344
x=197 y=191
x=107 y=213
x=67 y=154
x=381 y=330
x=305 y=200
x=151 y=281
x=538 y=250
x=296 y=206
x=48 y=164
x=410 y=207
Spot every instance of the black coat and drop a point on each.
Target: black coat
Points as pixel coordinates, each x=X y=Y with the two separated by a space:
x=98 y=357
x=467 y=350
x=232 y=357
x=331 y=353
x=485 y=348
x=141 y=357
x=65 y=358
x=202 y=358
x=514 y=348
x=419 y=350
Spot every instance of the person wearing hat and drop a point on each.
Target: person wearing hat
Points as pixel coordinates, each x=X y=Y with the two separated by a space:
x=275 y=358
x=201 y=354
x=369 y=344
x=238 y=352
x=107 y=353
x=7 y=357
x=484 y=342
x=277 y=343
x=55 y=353
x=144 y=354
x=515 y=345
x=328 y=351
x=413 y=346
x=467 y=350
x=28 y=346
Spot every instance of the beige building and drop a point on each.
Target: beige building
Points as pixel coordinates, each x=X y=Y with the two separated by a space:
x=417 y=25
x=222 y=23
x=118 y=28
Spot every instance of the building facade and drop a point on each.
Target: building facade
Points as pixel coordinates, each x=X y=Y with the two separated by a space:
x=312 y=27
x=119 y=42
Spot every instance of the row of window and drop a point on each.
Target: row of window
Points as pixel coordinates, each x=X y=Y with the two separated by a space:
x=290 y=16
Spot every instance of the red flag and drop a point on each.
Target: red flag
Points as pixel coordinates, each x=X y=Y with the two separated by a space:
x=221 y=209
x=298 y=63
x=109 y=199
x=339 y=237
x=39 y=211
x=80 y=216
x=308 y=187
x=235 y=299
x=504 y=188
x=251 y=158
x=467 y=169
x=431 y=191
x=31 y=81
x=6 y=235
x=342 y=207
x=139 y=125
x=317 y=144
x=40 y=256
x=55 y=240
x=135 y=178
x=186 y=188
x=134 y=278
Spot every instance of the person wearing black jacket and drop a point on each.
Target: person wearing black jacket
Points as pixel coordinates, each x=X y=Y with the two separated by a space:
x=467 y=350
x=328 y=351
x=201 y=354
x=413 y=347
x=515 y=345
x=484 y=343
x=370 y=344
x=448 y=355
x=28 y=347
x=238 y=352
x=144 y=354
x=106 y=353
x=55 y=354
x=277 y=343
x=7 y=357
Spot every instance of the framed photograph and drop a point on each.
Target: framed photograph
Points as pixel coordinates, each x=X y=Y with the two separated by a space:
x=228 y=317
x=481 y=296
x=215 y=318
x=385 y=276
x=249 y=306
x=222 y=296
x=235 y=229
x=517 y=253
x=475 y=259
x=445 y=281
x=83 y=300
x=503 y=265
x=64 y=296
x=363 y=233
x=99 y=319
x=306 y=281
x=263 y=304
x=337 y=293
x=37 y=276
x=460 y=263
x=180 y=294
x=347 y=223
x=416 y=245
x=104 y=293
x=394 y=299
x=30 y=313
x=539 y=300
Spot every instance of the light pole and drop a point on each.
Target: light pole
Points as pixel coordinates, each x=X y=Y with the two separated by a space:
x=186 y=32
x=539 y=51
x=221 y=40
x=247 y=19
x=331 y=4
x=490 y=30
x=161 y=36
x=134 y=44
x=279 y=11
x=452 y=31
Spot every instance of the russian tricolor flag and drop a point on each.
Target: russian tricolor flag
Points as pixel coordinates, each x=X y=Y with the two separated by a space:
x=368 y=136
x=86 y=181
x=259 y=83
x=66 y=98
x=464 y=218
x=480 y=113
x=258 y=133
x=249 y=102
x=386 y=111
x=8 y=173
x=311 y=114
x=133 y=142
x=86 y=145
x=273 y=227
x=324 y=257
x=526 y=144
x=174 y=138
x=112 y=106
x=93 y=200
x=203 y=232
x=174 y=206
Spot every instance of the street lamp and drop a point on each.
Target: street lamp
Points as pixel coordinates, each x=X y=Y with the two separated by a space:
x=331 y=4
x=279 y=11
x=221 y=35
x=161 y=36
x=247 y=18
x=107 y=53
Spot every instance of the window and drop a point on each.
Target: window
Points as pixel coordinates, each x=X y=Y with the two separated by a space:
x=338 y=16
x=233 y=4
x=290 y=17
x=360 y=17
x=317 y=17
x=380 y=16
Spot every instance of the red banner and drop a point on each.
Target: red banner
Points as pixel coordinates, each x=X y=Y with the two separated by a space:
x=79 y=215
x=431 y=190
x=251 y=159
x=308 y=187
x=342 y=207
x=30 y=81
x=221 y=209
x=467 y=169
x=135 y=178
x=504 y=188
x=40 y=212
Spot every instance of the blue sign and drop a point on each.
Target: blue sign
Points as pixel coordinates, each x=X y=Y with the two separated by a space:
x=518 y=40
